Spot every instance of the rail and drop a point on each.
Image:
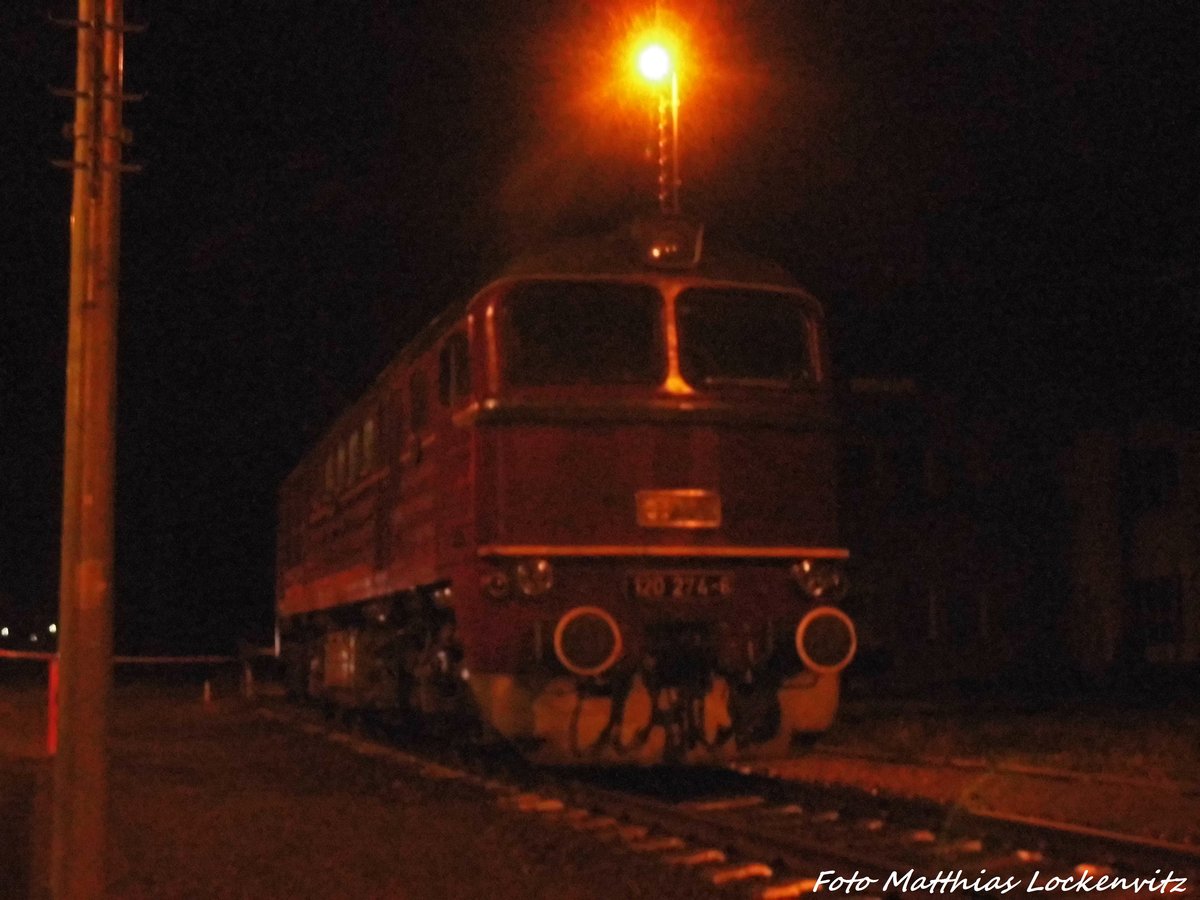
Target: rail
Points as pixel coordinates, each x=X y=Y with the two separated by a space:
x=787 y=835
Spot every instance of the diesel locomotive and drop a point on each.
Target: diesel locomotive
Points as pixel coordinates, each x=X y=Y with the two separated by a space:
x=590 y=511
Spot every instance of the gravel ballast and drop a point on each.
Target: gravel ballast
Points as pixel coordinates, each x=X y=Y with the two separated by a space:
x=219 y=802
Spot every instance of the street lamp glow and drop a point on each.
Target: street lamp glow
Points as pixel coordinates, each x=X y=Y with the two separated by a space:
x=654 y=62
x=53 y=628
x=4 y=631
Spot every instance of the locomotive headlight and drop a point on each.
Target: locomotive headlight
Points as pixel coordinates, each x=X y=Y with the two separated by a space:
x=535 y=576
x=587 y=641
x=821 y=579
x=826 y=640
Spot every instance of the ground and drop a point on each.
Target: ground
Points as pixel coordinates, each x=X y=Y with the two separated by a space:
x=1116 y=767
x=215 y=801
x=218 y=802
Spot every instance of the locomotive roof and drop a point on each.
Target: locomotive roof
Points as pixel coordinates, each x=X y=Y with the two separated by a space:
x=624 y=253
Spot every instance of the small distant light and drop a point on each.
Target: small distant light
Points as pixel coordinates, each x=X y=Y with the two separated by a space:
x=53 y=628
x=4 y=632
x=33 y=639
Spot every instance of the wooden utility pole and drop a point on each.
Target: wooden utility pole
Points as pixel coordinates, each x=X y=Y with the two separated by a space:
x=80 y=806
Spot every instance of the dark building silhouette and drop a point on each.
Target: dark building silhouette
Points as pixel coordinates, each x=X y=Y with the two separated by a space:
x=985 y=549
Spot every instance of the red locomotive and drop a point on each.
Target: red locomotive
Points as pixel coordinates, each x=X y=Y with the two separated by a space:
x=590 y=510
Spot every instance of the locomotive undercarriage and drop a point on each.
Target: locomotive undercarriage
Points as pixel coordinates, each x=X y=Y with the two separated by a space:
x=399 y=655
x=682 y=689
x=678 y=673
x=574 y=721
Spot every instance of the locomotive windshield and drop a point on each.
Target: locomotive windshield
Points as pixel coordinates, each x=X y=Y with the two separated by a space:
x=743 y=338
x=584 y=333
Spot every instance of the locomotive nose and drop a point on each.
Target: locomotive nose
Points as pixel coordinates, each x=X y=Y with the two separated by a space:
x=826 y=640
x=587 y=641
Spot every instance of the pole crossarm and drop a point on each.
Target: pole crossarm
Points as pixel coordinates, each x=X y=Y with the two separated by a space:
x=108 y=24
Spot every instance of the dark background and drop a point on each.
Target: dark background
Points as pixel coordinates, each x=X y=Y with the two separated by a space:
x=997 y=198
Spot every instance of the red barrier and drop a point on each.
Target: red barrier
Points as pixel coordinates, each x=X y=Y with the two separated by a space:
x=27 y=654
x=52 y=679
x=52 y=711
x=51 y=690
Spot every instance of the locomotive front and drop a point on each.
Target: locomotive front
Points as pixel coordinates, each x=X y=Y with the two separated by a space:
x=655 y=515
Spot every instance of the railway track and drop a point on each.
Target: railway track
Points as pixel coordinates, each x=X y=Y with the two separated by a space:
x=773 y=838
x=797 y=826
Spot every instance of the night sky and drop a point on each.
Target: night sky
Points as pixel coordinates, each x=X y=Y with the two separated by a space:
x=997 y=198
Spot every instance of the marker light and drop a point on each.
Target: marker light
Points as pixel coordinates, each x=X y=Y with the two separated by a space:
x=495 y=584
x=535 y=576
x=821 y=579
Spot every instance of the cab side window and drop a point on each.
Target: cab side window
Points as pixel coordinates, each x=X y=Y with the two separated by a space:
x=454 y=370
x=418 y=400
x=354 y=466
x=368 y=445
x=394 y=416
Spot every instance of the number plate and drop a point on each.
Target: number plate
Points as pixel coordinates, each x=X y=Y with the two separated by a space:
x=689 y=508
x=681 y=585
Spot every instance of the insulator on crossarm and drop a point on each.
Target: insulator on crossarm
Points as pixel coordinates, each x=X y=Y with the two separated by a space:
x=125 y=28
x=69 y=23
x=67 y=93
